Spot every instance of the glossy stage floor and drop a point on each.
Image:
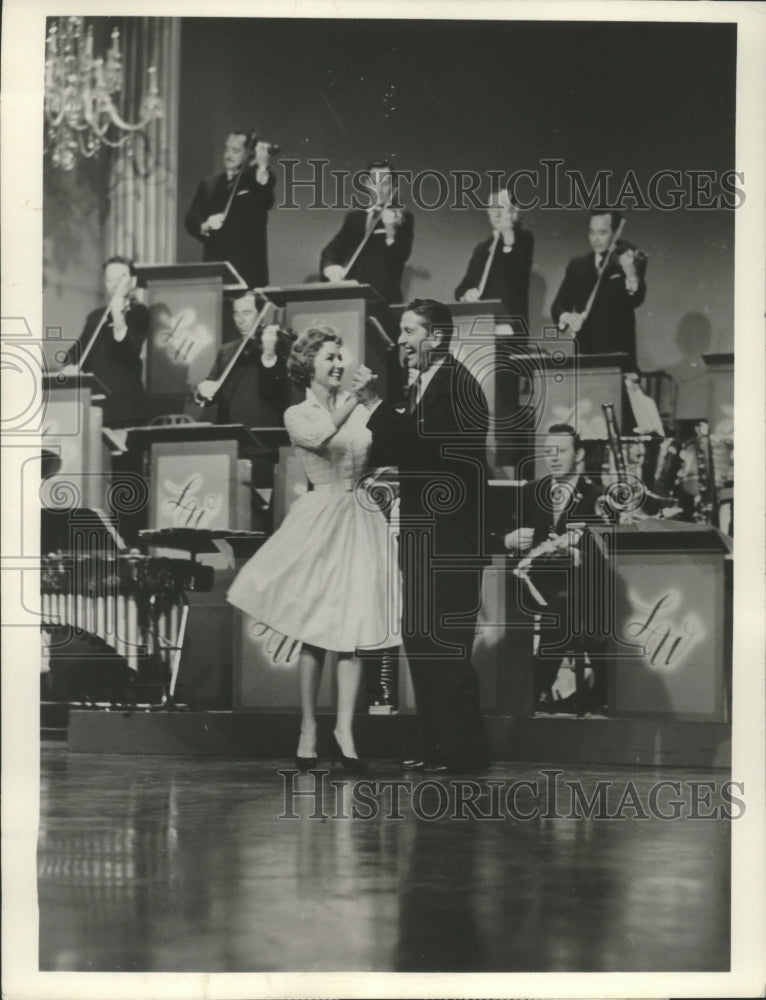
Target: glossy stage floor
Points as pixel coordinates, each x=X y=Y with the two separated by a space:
x=171 y=864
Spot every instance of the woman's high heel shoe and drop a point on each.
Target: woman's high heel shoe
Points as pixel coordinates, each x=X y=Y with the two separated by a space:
x=305 y=764
x=352 y=764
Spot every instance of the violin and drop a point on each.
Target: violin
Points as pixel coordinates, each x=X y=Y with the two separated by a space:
x=620 y=247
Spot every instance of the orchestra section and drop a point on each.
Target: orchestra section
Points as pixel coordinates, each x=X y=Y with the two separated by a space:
x=145 y=527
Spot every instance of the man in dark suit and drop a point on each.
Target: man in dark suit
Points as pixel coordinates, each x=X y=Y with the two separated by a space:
x=500 y=267
x=381 y=262
x=256 y=391
x=610 y=324
x=438 y=443
x=551 y=513
x=240 y=238
x=115 y=358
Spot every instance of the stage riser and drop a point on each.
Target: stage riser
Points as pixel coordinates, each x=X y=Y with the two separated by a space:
x=639 y=742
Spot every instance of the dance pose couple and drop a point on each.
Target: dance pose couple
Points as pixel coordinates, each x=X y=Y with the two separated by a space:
x=330 y=577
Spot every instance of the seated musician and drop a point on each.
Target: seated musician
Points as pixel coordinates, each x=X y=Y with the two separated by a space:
x=385 y=229
x=116 y=335
x=609 y=325
x=500 y=266
x=552 y=511
x=256 y=391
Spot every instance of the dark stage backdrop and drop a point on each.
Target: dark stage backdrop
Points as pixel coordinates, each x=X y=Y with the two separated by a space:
x=450 y=95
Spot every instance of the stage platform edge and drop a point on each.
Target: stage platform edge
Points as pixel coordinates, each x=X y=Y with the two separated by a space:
x=555 y=739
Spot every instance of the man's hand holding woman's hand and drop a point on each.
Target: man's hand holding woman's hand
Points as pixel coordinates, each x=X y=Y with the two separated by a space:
x=364 y=386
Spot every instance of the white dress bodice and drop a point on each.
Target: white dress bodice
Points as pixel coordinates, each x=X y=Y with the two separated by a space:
x=329 y=456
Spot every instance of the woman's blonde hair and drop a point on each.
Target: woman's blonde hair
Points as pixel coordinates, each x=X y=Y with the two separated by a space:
x=300 y=366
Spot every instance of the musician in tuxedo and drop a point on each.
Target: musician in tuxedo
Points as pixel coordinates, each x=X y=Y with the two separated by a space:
x=386 y=251
x=549 y=547
x=115 y=358
x=500 y=266
x=610 y=325
x=256 y=391
x=438 y=443
x=240 y=236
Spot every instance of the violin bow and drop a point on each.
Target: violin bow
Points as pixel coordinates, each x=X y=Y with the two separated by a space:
x=240 y=173
x=488 y=264
x=240 y=348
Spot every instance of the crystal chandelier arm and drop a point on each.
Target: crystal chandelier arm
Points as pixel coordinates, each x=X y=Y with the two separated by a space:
x=107 y=104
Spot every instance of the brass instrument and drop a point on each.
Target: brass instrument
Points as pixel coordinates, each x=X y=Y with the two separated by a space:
x=706 y=473
x=624 y=496
x=706 y=506
x=615 y=442
x=629 y=496
x=668 y=465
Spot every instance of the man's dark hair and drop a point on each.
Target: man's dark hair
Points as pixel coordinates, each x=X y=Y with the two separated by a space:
x=616 y=217
x=119 y=259
x=241 y=131
x=566 y=429
x=436 y=316
x=380 y=165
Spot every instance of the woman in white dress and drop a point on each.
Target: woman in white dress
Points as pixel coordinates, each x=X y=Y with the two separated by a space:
x=328 y=577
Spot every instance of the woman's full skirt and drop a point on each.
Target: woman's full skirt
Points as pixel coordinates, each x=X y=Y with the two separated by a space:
x=328 y=576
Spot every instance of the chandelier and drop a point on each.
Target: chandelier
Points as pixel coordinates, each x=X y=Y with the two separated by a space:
x=82 y=94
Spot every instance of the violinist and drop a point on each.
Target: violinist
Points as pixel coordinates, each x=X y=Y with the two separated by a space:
x=110 y=346
x=373 y=245
x=607 y=324
x=500 y=266
x=256 y=391
x=239 y=235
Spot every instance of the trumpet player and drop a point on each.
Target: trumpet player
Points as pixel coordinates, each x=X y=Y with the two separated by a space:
x=373 y=245
x=500 y=267
x=113 y=339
